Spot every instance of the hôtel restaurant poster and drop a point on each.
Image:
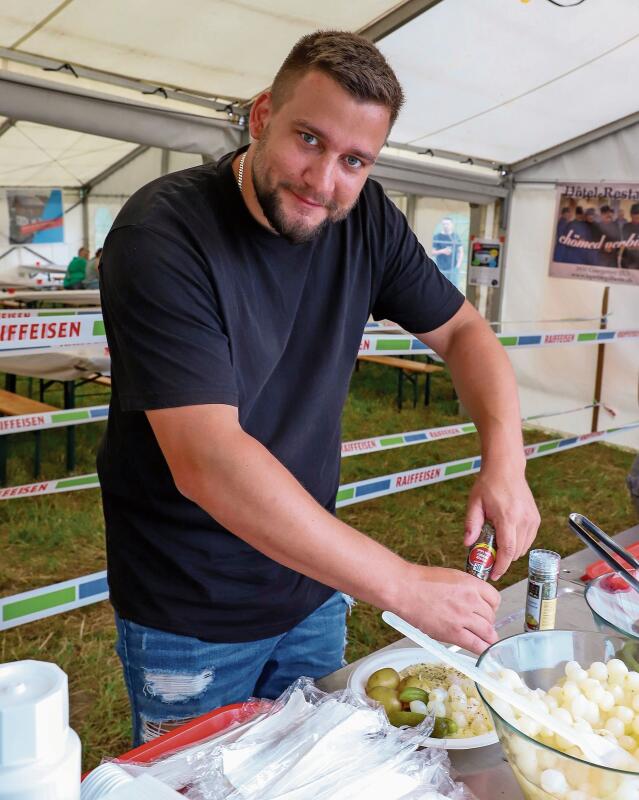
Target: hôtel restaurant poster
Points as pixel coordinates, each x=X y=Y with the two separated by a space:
x=596 y=233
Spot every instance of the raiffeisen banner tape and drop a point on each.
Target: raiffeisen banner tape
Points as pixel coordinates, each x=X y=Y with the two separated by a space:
x=39 y=752
x=47 y=329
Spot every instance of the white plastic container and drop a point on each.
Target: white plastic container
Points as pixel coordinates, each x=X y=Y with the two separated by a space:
x=103 y=781
x=110 y=782
x=39 y=752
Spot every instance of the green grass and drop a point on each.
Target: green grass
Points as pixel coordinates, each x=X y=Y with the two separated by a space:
x=56 y=537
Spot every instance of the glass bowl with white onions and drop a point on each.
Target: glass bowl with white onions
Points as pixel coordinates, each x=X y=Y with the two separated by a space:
x=582 y=679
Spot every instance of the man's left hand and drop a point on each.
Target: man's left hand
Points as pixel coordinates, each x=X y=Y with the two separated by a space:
x=505 y=500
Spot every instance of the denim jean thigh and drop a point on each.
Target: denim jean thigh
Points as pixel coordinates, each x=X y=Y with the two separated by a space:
x=314 y=648
x=171 y=679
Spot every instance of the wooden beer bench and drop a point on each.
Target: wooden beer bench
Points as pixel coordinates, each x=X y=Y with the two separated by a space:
x=11 y=405
x=407 y=370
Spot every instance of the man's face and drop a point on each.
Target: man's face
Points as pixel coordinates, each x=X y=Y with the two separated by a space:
x=83 y=253
x=313 y=154
x=634 y=218
x=447 y=226
x=607 y=216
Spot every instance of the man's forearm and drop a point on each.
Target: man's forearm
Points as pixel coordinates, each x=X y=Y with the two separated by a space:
x=486 y=385
x=246 y=489
x=279 y=518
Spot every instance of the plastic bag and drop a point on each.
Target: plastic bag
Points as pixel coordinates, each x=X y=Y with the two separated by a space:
x=310 y=744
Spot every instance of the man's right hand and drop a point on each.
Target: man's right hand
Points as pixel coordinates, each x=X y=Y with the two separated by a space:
x=216 y=465
x=451 y=606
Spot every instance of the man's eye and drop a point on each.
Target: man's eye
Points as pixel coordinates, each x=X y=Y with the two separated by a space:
x=309 y=138
x=353 y=162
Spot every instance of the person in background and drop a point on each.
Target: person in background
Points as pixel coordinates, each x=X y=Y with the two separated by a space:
x=590 y=232
x=630 y=252
x=92 y=278
x=620 y=220
x=76 y=271
x=576 y=229
x=563 y=226
x=235 y=296
x=609 y=253
x=448 y=250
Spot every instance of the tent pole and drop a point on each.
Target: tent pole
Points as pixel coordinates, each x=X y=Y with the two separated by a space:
x=411 y=204
x=601 y=352
x=475 y=228
x=164 y=166
x=85 y=218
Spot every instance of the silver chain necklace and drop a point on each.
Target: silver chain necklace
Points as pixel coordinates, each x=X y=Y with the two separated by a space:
x=240 y=172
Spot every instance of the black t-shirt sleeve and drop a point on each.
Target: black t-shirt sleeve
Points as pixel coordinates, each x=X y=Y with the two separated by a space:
x=413 y=292
x=163 y=323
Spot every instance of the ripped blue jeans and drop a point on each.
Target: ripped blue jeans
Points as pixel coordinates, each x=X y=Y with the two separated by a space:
x=172 y=679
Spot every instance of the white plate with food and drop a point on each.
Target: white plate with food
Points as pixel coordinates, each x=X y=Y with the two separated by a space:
x=468 y=723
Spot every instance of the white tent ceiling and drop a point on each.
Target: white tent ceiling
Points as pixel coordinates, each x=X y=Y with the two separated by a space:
x=502 y=80
x=497 y=80
x=39 y=155
x=228 y=48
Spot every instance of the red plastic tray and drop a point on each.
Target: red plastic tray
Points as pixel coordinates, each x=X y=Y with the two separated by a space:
x=601 y=568
x=195 y=731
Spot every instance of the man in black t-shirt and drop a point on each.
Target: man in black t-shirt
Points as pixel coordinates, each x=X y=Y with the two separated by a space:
x=234 y=299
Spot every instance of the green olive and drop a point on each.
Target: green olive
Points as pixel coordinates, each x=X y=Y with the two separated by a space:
x=399 y=718
x=410 y=693
x=443 y=727
x=383 y=677
x=413 y=680
x=387 y=697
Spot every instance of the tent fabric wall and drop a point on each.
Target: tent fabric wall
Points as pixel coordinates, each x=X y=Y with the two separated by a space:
x=613 y=158
x=563 y=377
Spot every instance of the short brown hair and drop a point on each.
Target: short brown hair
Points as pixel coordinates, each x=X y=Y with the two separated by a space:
x=350 y=60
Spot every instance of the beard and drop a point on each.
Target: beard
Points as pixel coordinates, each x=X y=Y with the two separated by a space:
x=268 y=193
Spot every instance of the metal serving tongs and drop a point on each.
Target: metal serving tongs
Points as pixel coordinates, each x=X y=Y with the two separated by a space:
x=595 y=538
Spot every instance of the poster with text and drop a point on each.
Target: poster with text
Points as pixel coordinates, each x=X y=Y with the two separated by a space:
x=596 y=233
x=35 y=216
x=485 y=262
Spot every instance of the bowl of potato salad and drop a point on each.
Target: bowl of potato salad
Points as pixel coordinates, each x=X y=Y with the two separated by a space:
x=582 y=680
x=411 y=684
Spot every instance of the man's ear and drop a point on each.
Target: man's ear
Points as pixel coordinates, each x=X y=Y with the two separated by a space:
x=260 y=115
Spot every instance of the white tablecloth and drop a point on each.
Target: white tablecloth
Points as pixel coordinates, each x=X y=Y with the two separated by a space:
x=67 y=297
x=62 y=363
